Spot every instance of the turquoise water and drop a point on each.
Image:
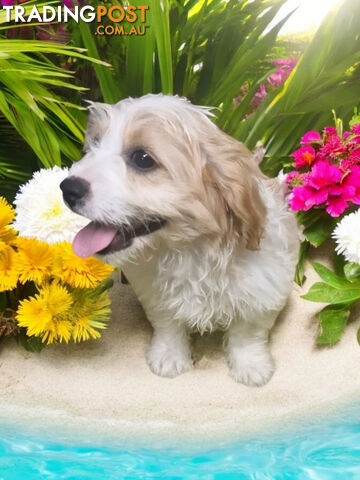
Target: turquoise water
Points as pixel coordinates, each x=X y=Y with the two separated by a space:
x=325 y=451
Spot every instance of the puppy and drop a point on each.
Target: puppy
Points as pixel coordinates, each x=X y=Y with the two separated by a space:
x=206 y=241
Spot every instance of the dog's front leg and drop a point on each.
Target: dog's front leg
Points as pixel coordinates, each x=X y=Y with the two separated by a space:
x=169 y=354
x=247 y=350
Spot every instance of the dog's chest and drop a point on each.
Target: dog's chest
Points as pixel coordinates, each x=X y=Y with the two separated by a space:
x=197 y=287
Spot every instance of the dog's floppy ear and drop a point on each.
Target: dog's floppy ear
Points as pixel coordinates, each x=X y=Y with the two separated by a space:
x=232 y=172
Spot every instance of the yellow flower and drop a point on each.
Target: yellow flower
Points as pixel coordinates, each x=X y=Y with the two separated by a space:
x=57 y=297
x=83 y=330
x=34 y=315
x=79 y=272
x=47 y=314
x=35 y=260
x=7 y=213
x=8 y=268
x=58 y=330
x=7 y=234
x=90 y=313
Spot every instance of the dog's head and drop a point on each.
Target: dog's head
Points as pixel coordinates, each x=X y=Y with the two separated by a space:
x=157 y=170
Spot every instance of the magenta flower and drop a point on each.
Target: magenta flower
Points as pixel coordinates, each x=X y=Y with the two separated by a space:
x=336 y=206
x=278 y=78
x=300 y=198
x=292 y=177
x=356 y=129
x=311 y=137
x=323 y=187
x=327 y=171
x=274 y=80
x=323 y=174
x=352 y=180
x=5 y=3
x=330 y=131
x=333 y=147
x=304 y=156
x=353 y=141
x=286 y=62
x=354 y=155
x=259 y=95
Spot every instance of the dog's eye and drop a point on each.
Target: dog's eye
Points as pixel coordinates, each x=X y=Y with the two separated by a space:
x=142 y=160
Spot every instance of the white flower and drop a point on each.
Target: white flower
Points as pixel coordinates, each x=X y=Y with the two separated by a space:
x=347 y=236
x=41 y=212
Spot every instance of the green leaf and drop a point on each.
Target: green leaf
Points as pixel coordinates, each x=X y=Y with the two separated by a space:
x=333 y=320
x=352 y=272
x=159 y=12
x=109 y=88
x=338 y=264
x=105 y=285
x=324 y=293
x=300 y=267
x=330 y=278
x=2 y=301
x=320 y=231
x=31 y=344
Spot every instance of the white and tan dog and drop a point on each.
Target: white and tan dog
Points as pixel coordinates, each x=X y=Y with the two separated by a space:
x=204 y=238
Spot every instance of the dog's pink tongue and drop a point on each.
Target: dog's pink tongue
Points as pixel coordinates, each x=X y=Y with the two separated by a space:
x=92 y=239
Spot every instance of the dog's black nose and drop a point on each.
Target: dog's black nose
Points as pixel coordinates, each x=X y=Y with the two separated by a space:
x=74 y=189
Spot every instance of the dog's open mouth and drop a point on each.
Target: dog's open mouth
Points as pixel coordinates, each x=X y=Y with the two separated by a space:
x=104 y=239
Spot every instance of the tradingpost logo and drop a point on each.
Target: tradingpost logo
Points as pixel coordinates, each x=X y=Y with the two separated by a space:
x=114 y=20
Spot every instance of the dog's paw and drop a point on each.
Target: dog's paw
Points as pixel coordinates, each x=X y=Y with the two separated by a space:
x=167 y=362
x=251 y=365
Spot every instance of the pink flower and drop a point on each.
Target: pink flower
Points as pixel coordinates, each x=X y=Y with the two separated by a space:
x=286 y=62
x=354 y=155
x=5 y=3
x=300 y=198
x=331 y=178
x=336 y=206
x=278 y=78
x=323 y=187
x=354 y=176
x=339 y=198
x=292 y=177
x=333 y=147
x=353 y=141
x=352 y=180
x=330 y=131
x=356 y=129
x=304 y=156
x=259 y=95
x=323 y=174
x=311 y=137
x=346 y=164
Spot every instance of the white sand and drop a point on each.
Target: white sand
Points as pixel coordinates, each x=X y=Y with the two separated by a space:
x=105 y=386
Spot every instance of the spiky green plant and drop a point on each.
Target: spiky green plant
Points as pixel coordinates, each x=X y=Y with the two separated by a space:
x=32 y=112
x=202 y=49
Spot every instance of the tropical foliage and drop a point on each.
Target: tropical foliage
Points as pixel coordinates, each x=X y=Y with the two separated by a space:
x=34 y=106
